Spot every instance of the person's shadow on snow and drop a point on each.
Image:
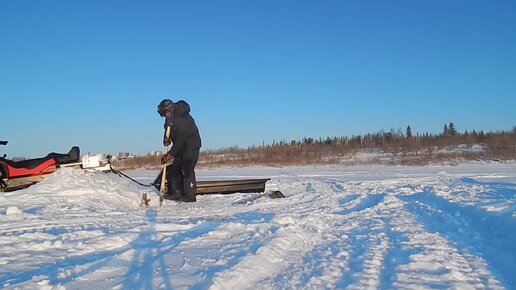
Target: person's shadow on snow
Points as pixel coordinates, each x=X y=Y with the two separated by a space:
x=147 y=251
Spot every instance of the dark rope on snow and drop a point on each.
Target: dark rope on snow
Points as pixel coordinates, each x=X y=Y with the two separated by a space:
x=120 y=173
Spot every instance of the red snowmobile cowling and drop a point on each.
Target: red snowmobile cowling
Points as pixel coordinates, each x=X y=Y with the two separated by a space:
x=20 y=174
x=38 y=166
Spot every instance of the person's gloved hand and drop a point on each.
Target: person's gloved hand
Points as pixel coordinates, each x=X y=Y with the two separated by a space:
x=166 y=141
x=166 y=158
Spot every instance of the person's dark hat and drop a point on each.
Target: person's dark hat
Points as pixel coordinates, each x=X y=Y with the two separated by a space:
x=164 y=106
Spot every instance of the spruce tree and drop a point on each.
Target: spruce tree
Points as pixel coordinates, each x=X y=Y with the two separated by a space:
x=451 y=129
x=409 y=132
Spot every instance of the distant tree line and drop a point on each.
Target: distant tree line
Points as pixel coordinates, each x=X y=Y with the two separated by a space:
x=392 y=147
x=410 y=148
x=382 y=139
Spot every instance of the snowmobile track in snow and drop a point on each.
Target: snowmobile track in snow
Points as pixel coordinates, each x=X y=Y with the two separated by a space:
x=332 y=231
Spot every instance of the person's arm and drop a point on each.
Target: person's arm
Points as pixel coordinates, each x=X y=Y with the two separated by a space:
x=168 y=140
x=178 y=145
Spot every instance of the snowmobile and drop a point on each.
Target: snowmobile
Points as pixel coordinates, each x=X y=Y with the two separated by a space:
x=16 y=175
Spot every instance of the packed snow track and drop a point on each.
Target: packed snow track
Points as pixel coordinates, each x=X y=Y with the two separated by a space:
x=364 y=227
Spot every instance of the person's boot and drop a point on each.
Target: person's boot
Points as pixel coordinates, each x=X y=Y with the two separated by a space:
x=189 y=198
x=175 y=195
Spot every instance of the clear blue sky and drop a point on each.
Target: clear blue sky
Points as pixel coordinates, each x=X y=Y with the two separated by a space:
x=91 y=73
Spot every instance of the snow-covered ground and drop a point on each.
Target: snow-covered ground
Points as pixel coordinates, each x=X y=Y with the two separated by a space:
x=363 y=227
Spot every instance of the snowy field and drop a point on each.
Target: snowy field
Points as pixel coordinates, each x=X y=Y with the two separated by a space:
x=364 y=227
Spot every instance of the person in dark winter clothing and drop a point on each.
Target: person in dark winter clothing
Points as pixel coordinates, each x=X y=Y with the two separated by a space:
x=186 y=143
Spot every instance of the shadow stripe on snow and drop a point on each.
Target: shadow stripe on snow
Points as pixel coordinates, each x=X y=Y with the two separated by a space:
x=368 y=202
x=470 y=228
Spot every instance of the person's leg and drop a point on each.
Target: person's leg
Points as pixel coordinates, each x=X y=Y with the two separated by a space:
x=175 y=179
x=188 y=170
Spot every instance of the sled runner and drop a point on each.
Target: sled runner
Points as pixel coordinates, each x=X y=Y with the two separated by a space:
x=16 y=175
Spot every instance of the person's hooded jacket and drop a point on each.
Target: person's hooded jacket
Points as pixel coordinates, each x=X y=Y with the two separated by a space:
x=184 y=132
